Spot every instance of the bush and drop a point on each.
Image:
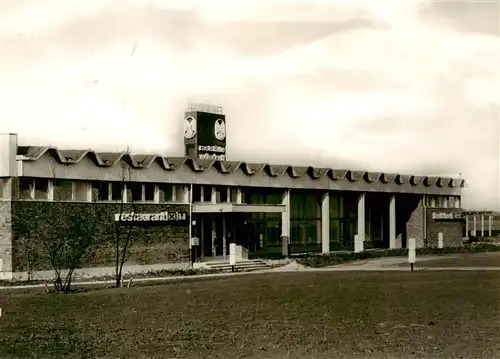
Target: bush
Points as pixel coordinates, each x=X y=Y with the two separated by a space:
x=321 y=260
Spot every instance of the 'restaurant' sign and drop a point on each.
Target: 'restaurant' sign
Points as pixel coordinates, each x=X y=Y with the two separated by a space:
x=151 y=217
x=446 y=215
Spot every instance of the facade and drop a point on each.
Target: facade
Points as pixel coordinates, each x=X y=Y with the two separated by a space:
x=266 y=209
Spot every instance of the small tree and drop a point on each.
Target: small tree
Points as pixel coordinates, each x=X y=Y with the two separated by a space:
x=123 y=232
x=70 y=238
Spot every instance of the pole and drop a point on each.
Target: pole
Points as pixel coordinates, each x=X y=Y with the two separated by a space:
x=191 y=223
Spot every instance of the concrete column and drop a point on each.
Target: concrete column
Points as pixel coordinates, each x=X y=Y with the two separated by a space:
x=50 y=190
x=157 y=194
x=325 y=223
x=174 y=193
x=214 y=252
x=285 y=223
x=482 y=225
x=124 y=193
x=361 y=216
x=213 y=196
x=392 y=222
x=490 y=222
x=467 y=225
x=224 y=243
x=202 y=238
x=238 y=195
x=475 y=224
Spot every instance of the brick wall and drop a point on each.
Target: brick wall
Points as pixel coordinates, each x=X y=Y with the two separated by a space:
x=409 y=220
x=452 y=229
x=5 y=239
x=151 y=243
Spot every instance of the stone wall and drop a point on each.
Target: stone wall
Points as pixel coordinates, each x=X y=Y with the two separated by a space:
x=5 y=240
x=452 y=229
x=152 y=243
x=409 y=220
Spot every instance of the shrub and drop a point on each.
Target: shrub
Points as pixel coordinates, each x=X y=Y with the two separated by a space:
x=321 y=260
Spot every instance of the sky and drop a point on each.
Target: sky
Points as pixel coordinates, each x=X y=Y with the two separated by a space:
x=384 y=85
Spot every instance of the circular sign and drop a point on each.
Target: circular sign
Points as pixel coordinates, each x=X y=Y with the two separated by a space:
x=220 y=129
x=189 y=127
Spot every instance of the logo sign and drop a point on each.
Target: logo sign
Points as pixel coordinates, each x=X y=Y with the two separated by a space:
x=189 y=127
x=446 y=216
x=220 y=129
x=151 y=217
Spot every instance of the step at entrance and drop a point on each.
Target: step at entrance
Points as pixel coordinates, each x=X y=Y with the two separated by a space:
x=245 y=265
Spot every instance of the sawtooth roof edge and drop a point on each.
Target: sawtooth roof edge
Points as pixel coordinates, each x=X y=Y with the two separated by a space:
x=110 y=159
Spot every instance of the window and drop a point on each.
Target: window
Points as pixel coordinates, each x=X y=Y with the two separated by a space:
x=234 y=194
x=63 y=190
x=149 y=192
x=41 y=188
x=197 y=193
x=166 y=192
x=26 y=186
x=100 y=191
x=81 y=188
x=221 y=194
x=336 y=206
x=134 y=192
x=117 y=191
x=180 y=192
x=207 y=193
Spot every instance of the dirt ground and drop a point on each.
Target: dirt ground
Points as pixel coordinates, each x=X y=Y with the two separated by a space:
x=278 y=315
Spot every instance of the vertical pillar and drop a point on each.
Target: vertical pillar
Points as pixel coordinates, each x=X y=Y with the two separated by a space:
x=285 y=223
x=238 y=195
x=202 y=238
x=361 y=216
x=325 y=223
x=490 y=220
x=467 y=225
x=474 y=218
x=228 y=194
x=482 y=225
x=224 y=243
x=213 y=196
x=214 y=249
x=174 y=193
x=124 y=193
x=157 y=194
x=392 y=222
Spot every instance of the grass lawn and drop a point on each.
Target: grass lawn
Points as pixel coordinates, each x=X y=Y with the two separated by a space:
x=279 y=315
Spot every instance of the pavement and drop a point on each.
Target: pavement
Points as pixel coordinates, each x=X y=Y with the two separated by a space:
x=473 y=262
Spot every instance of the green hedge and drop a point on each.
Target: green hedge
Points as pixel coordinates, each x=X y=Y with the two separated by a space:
x=320 y=260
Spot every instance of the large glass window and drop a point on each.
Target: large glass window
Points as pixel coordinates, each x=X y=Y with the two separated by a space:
x=305 y=219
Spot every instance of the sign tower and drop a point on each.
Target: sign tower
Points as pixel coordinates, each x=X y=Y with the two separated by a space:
x=205 y=132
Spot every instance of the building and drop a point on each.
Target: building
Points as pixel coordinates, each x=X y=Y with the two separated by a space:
x=266 y=209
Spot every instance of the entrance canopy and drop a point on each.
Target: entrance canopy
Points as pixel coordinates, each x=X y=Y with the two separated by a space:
x=237 y=208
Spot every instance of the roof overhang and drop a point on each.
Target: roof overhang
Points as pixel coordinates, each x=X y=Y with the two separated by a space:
x=237 y=208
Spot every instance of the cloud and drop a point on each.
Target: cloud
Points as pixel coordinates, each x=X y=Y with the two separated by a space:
x=403 y=86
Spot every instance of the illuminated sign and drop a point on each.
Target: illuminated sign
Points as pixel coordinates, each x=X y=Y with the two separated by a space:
x=151 y=217
x=446 y=216
x=210 y=156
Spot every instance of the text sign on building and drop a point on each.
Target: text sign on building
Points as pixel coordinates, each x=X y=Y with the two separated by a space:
x=212 y=153
x=151 y=217
x=446 y=216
